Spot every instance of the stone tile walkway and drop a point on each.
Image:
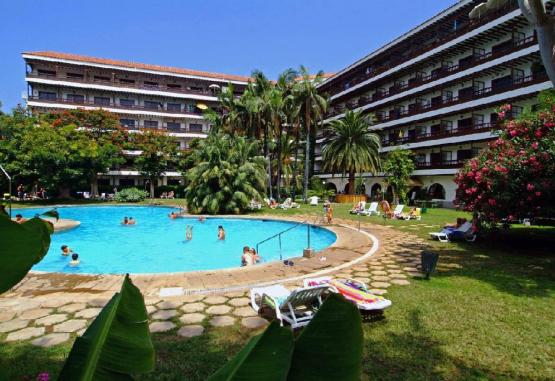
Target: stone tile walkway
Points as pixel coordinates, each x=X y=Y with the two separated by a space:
x=42 y=311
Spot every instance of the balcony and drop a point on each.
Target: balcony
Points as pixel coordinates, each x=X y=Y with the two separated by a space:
x=419 y=50
x=442 y=73
x=474 y=94
x=129 y=85
x=441 y=164
x=160 y=108
x=443 y=133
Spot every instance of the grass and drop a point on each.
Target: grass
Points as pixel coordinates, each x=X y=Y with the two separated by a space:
x=487 y=314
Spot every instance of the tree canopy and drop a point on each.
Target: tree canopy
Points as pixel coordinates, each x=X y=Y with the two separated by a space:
x=398 y=166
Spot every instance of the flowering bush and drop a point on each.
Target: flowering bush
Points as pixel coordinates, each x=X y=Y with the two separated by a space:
x=514 y=177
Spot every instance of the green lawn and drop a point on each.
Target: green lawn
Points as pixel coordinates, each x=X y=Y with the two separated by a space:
x=486 y=314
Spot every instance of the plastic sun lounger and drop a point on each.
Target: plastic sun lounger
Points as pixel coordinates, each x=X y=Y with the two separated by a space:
x=286 y=303
x=372 y=209
x=354 y=291
x=359 y=208
x=398 y=210
x=463 y=232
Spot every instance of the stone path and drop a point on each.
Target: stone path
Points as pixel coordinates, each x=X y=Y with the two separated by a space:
x=57 y=317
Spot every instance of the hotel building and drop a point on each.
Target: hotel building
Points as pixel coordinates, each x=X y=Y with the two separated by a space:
x=143 y=96
x=435 y=89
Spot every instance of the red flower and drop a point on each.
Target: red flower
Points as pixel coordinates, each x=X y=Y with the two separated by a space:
x=530 y=187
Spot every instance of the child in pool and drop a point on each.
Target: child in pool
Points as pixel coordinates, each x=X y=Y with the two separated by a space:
x=66 y=250
x=74 y=260
x=221 y=233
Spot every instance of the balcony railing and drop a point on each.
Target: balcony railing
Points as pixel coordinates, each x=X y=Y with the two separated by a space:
x=443 y=133
x=416 y=51
x=138 y=127
x=441 y=164
x=159 y=87
x=444 y=72
x=475 y=94
x=113 y=105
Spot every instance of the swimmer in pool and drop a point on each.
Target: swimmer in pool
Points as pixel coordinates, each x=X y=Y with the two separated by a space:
x=66 y=250
x=221 y=233
x=131 y=221
x=74 y=260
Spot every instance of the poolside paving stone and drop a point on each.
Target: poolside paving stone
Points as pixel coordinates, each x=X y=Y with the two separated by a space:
x=73 y=307
x=215 y=300
x=363 y=280
x=12 y=325
x=6 y=315
x=400 y=282
x=25 y=334
x=380 y=284
x=191 y=318
x=70 y=325
x=192 y=298
x=169 y=305
x=218 y=310
x=193 y=307
x=379 y=273
x=88 y=313
x=161 y=326
x=24 y=305
x=397 y=276
x=51 y=339
x=51 y=319
x=239 y=302
x=254 y=322
x=150 y=309
x=191 y=330
x=54 y=302
x=222 y=321
x=377 y=291
x=99 y=302
x=381 y=278
x=164 y=314
x=244 y=311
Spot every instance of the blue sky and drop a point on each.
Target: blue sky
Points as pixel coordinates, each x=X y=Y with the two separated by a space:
x=229 y=36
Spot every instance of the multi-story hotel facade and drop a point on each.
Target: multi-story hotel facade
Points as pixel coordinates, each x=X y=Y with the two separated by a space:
x=144 y=97
x=435 y=91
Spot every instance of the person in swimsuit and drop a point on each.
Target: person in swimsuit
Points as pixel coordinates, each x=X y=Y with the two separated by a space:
x=221 y=233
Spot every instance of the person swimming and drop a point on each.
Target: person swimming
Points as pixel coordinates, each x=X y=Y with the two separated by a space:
x=131 y=221
x=245 y=258
x=173 y=215
x=221 y=233
x=66 y=250
x=125 y=221
x=201 y=219
x=189 y=232
x=74 y=259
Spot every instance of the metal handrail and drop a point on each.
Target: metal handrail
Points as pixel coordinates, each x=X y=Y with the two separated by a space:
x=279 y=238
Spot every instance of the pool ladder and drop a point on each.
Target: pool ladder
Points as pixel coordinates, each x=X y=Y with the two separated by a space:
x=278 y=235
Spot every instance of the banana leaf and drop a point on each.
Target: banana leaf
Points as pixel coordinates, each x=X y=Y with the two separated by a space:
x=52 y=213
x=117 y=343
x=265 y=357
x=22 y=246
x=330 y=347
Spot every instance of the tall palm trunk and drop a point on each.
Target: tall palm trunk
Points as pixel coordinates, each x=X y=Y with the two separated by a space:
x=351 y=182
x=152 y=188
x=297 y=136
x=279 y=163
x=306 y=159
x=267 y=156
x=94 y=184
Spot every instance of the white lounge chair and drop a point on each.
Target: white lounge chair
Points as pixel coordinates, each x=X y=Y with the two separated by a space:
x=255 y=205
x=359 y=208
x=372 y=209
x=353 y=290
x=313 y=201
x=464 y=231
x=295 y=307
x=288 y=204
x=398 y=211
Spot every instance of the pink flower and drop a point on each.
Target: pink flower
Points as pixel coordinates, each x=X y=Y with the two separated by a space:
x=513 y=133
x=43 y=377
x=538 y=134
x=530 y=187
x=538 y=194
x=502 y=115
x=535 y=145
x=492 y=202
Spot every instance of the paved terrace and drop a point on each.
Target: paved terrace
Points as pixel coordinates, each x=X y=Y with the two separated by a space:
x=51 y=308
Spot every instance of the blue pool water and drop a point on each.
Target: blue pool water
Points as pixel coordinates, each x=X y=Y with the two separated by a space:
x=157 y=244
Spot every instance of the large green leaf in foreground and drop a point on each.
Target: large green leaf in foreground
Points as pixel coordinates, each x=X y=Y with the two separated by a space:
x=330 y=347
x=21 y=246
x=116 y=344
x=265 y=357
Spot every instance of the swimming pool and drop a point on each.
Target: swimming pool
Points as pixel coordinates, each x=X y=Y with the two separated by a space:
x=157 y=244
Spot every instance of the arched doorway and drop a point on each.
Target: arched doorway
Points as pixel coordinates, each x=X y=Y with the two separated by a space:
x=331 y=186
x=436 y=191
x=346 y=189
x=389 y=193
x=376 y=192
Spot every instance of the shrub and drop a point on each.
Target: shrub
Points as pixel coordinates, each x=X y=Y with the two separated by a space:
x=130 y=195
x=514 y=177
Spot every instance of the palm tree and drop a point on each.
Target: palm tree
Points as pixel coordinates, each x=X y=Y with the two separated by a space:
x=313 y=106
x=350 y=147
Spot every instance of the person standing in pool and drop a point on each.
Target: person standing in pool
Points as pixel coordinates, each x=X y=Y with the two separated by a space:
x=221 y=233
x=66 y=250
x=131 y=221
x=125 y=221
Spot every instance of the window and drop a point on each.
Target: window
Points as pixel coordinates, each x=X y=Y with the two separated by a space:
x=151 y=123
x=478 y=120
x=75 y=75
x=127 y=81
x=190 y=108
x=102 y=101
x=151 y=84
x=173 y=126
x=101 y=78
x=127 y=123
x=46 y=73
x=518 y=75
x=151 y=105
x=195 y=88
x=174 y=107
x=516 y=111
x=47 y=95
x=75 y=98
x=195 y=127
x=173 y=86
x=446 y=156
x=446 y=96
x=127 y=102
x=420 y=158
